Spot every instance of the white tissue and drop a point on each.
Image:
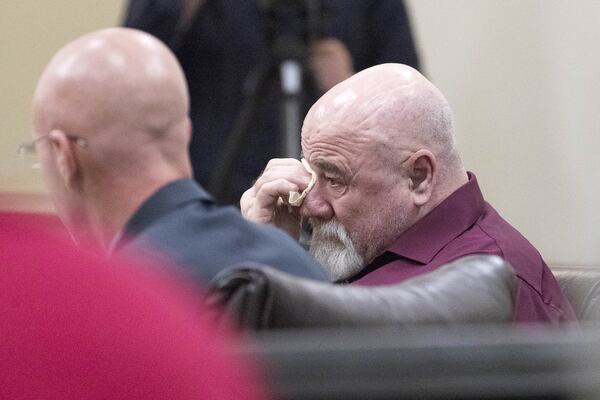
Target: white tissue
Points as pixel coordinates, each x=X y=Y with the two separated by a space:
x=296 y=198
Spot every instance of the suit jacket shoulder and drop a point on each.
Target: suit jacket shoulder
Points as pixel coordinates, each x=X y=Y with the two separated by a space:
x=181 y=224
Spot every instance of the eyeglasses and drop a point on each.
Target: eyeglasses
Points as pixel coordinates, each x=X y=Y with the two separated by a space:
x=28 y=149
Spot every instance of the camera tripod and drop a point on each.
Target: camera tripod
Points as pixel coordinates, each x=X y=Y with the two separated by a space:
x=285 y=62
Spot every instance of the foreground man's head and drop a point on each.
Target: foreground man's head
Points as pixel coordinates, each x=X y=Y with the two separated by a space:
x=384 y=146
x=110 y=119
x=112 y=131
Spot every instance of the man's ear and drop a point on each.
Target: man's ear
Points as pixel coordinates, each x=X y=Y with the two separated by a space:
x=421 y=174
x=66 y=161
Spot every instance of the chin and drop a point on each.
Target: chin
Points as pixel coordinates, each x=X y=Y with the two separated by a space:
x=333 y=248
x=339 y=263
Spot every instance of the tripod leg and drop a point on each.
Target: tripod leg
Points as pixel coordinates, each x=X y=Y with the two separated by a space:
x=291 y=74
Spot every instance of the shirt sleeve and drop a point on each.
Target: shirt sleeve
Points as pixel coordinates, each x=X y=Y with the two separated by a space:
x=531 y=307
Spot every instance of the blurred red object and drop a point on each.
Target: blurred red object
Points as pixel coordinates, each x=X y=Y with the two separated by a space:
x=74 y=326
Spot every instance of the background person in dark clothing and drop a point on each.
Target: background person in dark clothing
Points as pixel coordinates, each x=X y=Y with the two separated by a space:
x=220 y=42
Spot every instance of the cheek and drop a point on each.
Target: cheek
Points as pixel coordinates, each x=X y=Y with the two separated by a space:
x=357 y=214
x=348 y=210
x=48 y=165
x=376 y=216
x=55 y=187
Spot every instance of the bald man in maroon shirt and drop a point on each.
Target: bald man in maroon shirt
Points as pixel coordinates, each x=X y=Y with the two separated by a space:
x=392 y=198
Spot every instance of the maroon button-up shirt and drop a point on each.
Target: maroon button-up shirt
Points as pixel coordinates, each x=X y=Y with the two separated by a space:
x=464 y=224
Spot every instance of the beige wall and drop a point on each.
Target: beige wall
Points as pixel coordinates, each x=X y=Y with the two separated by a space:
x=522 y=76
x=30 y=32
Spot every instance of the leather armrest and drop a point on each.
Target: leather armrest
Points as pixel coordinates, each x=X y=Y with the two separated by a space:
x=469 y=290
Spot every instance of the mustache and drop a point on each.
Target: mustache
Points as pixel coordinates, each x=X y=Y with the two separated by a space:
x=324 y=228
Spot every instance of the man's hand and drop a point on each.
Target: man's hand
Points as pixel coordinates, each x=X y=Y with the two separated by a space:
x=266 y=201
x=331 y=62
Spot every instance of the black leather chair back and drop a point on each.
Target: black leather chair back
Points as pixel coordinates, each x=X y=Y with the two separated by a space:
x=475 y=289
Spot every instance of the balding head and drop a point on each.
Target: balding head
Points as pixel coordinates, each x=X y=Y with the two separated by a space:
x=382 y=143
x=116 y=82
x=392 y=105
x=124 y=92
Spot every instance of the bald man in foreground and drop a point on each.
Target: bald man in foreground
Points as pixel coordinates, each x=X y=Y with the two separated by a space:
x=392 y=199
x=111 y=128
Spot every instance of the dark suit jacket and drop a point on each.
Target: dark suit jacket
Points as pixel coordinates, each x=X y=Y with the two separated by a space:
x=181 y=224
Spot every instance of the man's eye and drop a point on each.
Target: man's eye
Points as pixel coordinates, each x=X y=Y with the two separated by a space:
x=333 y=182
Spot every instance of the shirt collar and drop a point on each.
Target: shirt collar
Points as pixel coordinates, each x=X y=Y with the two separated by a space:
x=164 y=200
x=454 y=215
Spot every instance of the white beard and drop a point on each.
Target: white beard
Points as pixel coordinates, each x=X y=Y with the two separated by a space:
x=331 y=246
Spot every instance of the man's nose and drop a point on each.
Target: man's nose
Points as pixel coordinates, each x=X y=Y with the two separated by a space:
x=316 y=206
